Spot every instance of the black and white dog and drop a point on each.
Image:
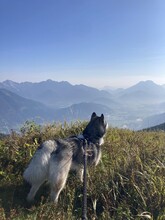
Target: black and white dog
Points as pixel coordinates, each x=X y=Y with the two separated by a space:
x=55 y=158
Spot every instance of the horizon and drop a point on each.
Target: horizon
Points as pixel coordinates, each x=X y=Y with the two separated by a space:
x=101 y=88
x=114 y=84
x=108 y=43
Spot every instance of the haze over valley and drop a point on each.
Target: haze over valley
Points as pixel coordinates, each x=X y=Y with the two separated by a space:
x=139 y=106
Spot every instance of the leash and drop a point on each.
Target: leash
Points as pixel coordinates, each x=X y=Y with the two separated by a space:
x=84 y=210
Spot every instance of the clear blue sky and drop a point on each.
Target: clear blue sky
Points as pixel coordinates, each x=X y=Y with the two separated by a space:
x=94 y=42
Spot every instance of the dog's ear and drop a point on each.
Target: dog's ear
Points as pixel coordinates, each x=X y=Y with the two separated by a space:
x=102 y=117
x=93 y=115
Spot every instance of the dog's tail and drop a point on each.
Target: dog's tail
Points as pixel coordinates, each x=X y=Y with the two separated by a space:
x=37 y=170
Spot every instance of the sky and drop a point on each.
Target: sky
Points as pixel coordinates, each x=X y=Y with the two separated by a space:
x=99 y=43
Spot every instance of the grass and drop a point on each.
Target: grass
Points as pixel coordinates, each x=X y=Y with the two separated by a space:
x=128 y=183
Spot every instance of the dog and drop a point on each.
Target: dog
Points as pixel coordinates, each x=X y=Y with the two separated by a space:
x=54 y=159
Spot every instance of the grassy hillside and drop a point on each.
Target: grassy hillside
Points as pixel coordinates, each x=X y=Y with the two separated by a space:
x=129 y=182
x=160 y=127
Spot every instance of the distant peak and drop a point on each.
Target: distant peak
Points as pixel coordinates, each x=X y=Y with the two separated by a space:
x=60 y=82
x=65 y=82
x=146 y=82
x=8 y=81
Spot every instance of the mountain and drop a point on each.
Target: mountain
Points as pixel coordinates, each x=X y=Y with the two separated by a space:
x=81 y=111
x=148 y=85
x=46 y=101
x=54 y=94
x=15 y=110
x=143 y=92
x=153 y=120
x=160 y=127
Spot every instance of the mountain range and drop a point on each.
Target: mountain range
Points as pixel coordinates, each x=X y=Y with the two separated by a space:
x=54 y=94
x=135 y=107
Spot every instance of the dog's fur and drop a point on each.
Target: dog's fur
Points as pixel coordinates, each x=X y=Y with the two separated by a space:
x=55 y=158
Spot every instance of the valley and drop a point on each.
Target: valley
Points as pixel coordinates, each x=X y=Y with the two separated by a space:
x=137 y=107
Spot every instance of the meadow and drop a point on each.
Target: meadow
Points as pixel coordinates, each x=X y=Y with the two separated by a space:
x=128 y=183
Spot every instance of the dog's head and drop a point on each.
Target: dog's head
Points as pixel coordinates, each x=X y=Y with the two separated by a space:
x=96 y=129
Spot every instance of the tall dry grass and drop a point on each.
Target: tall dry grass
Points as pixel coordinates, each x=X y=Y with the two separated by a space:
x=129 y=182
